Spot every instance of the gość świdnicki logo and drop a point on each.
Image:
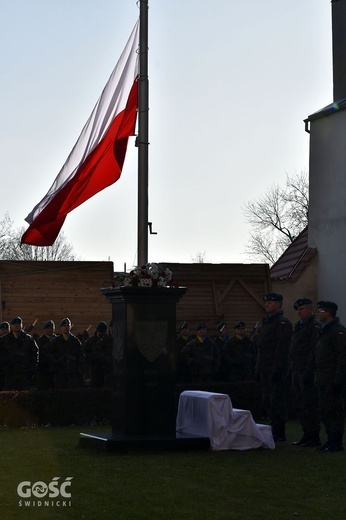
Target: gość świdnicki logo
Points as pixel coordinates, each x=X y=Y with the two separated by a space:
x=55 y=493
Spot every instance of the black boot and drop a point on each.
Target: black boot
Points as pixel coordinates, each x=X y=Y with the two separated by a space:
x=303 y=440
x=335 y=443
x=278 y=431
x=313 y=440
x=324 y=446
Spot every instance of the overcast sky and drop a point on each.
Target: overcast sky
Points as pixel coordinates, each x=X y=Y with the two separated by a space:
x=230 y=84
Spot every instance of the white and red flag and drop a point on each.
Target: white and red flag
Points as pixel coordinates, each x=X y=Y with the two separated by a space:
x=97 y=158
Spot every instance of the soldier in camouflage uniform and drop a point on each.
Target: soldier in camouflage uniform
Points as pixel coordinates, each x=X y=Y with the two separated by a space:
x=183 y=338
x=98 y=351
x=239 y=355
x=329 y=364
x=202 y=357
x=272 y=343
x=304 y=393
x=67 y=359
x=19 y=356
x=45 y=370
x=221 y=335
x=221 y=340
x=4 y=328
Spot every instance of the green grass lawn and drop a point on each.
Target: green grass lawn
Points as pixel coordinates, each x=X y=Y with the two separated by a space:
x=285 y=483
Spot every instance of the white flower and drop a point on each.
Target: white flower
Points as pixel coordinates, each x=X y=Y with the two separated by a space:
x=145 y=282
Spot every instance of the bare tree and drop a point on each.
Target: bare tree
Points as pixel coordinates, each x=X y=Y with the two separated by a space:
x=11 y=248
x=5 y=232
x=277 y=218
x=200 y=258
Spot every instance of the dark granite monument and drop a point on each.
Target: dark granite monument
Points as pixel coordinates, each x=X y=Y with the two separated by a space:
x=144 y=404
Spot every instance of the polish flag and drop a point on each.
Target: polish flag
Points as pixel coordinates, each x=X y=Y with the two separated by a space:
x=97 y=158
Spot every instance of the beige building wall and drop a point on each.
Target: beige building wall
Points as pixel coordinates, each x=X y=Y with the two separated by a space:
x=304 y=287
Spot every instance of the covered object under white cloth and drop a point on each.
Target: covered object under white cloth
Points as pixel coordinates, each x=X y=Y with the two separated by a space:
x=208 y=414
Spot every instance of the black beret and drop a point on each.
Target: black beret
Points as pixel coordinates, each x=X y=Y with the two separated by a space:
x=17 y=319
x=273 y=297
x=200 y=326
x=239 y=325
x=102 y=327
x=65 y=321
x=4 y=325
x=49 y=324
x=183 y=325
x=327 y=305
x=302 y=301
x=221 y=326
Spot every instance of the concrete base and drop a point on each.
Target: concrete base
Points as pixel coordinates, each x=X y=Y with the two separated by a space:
x=111 y=442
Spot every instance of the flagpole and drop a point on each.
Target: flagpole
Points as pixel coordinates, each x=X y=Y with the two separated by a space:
x=143 y=135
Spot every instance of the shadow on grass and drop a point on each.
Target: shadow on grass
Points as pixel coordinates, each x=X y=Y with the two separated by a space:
x=285 y=483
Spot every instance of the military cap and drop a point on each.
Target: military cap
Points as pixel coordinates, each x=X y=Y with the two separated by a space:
x=49 y=324
x=273 y=297
x=221 y=326
x=101 y=327
x=302 y=301
x=239 y=325
x=17 y=319
x=200 y=326
x=327 y=305
x=4 y=325
x=65 y=321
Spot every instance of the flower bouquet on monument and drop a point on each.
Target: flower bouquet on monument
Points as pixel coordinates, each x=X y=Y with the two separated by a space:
x=148 y=275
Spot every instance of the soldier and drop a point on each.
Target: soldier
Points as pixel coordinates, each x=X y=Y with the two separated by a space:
x=20 y=354
x=45 y=370
x=98 y=351
x=304 y=396
x=329 y=363
x=248 y=351
x=220 y=339
x=231 y=358
x=4 y=329
x=183 y=338
x=67 y=358
x=273 y=342
x=221 y=336
x=239 y=355
x=202 y=356
x=183 y=334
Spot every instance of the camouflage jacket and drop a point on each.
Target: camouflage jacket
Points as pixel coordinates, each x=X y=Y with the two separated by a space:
x=18 y=354
x=272 y=343
x=304 y=340
x=329 y=359
x=66 y=356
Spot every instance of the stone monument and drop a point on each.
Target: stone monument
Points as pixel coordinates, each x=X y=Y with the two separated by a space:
x=144 y=401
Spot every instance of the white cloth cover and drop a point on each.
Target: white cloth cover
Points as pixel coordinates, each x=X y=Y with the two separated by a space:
x=207 y=414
